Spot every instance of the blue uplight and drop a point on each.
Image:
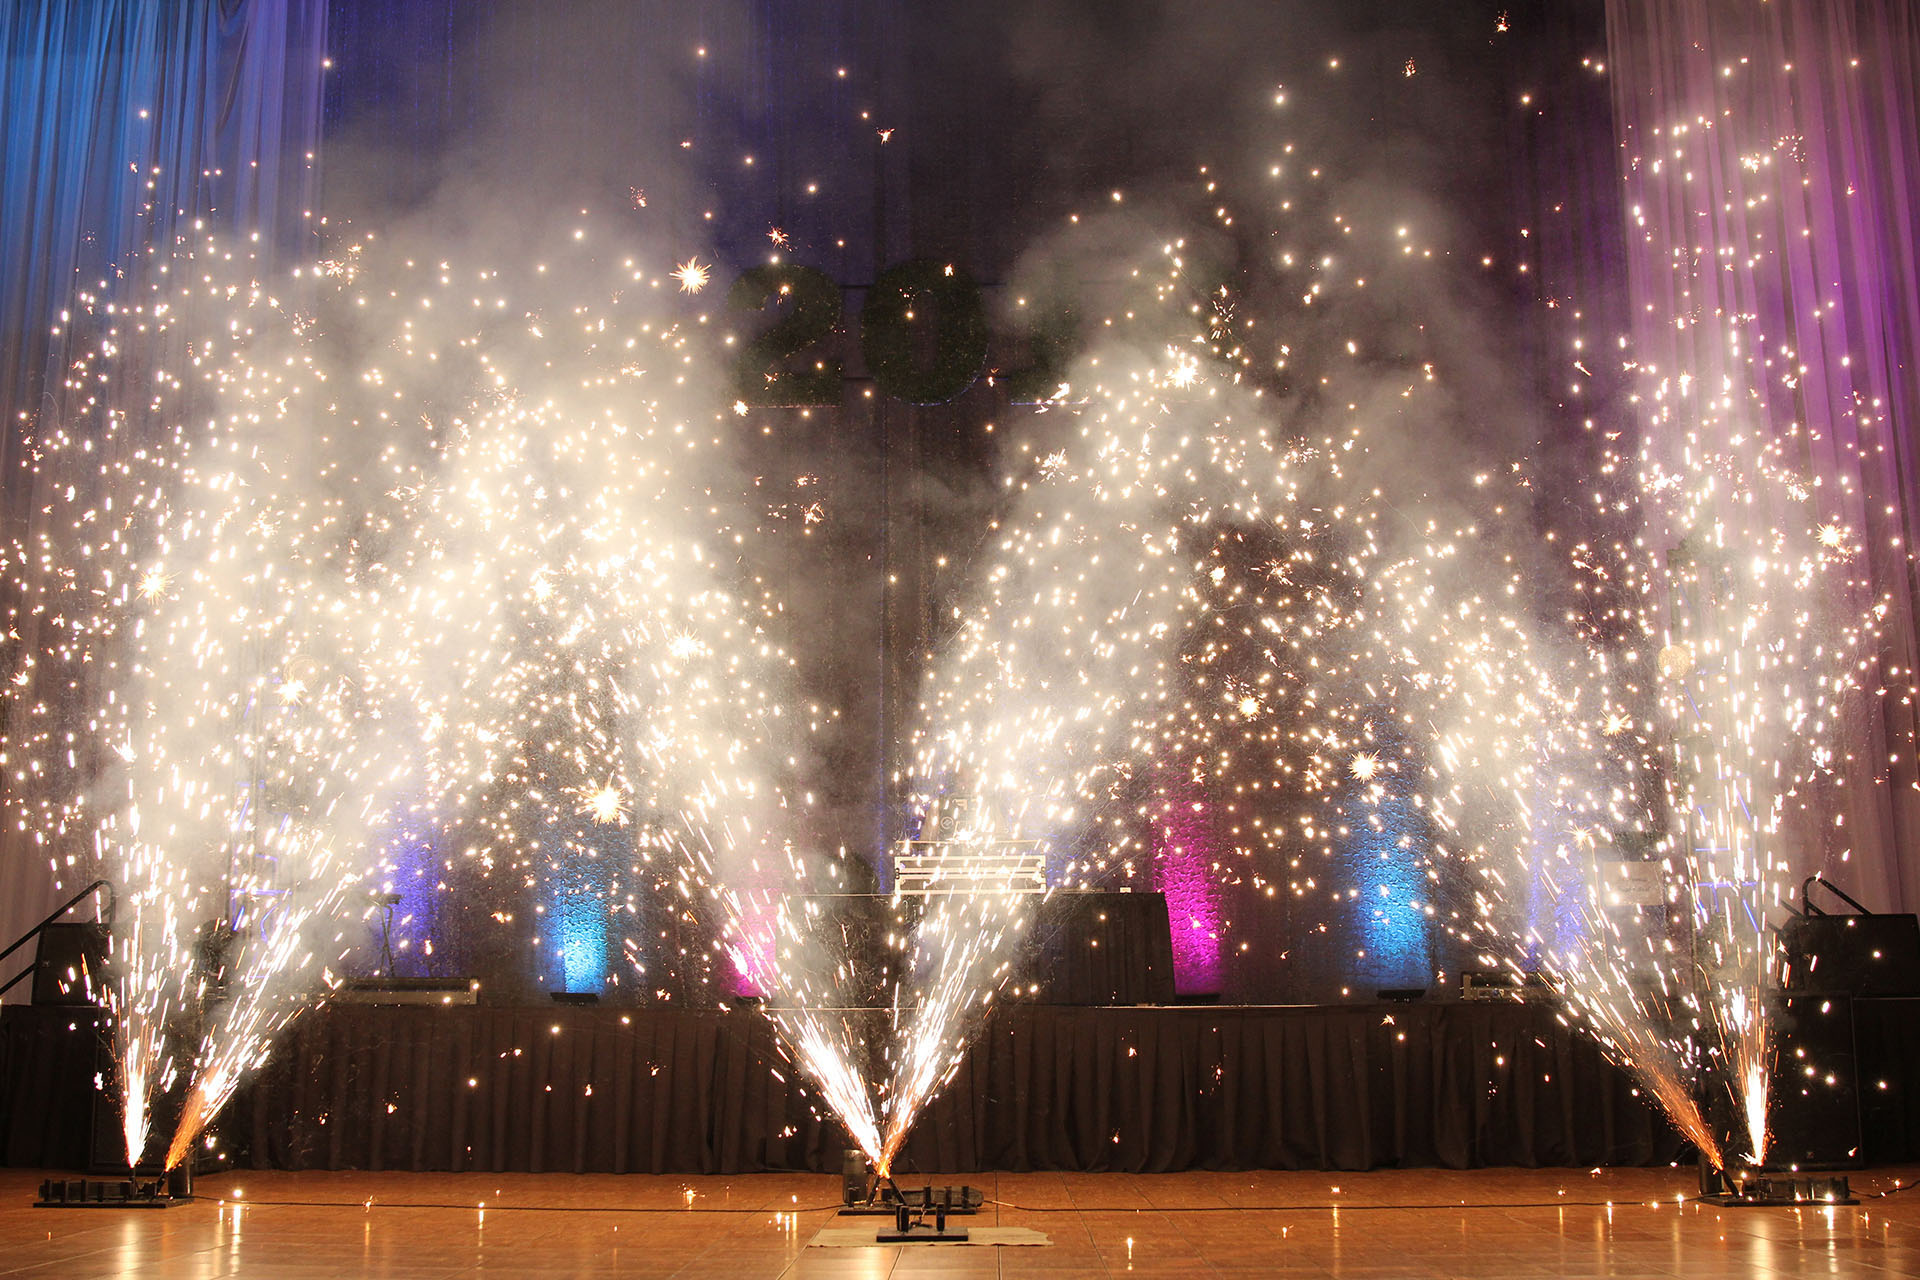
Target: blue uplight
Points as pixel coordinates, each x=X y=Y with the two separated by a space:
x=1389 y=850
x=577 y=925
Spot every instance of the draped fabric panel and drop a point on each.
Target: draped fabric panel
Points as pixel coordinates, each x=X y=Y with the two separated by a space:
x=1098 y=949
x=122 y=123
x=1151 y=1091
x=48 y=1058
x=1133 y=1090
x=1140 y=1090
x=1886 y=1043
x=1771 y=156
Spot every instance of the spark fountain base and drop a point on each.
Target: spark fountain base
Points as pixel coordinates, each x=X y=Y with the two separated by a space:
x=962 y=1201
x=163 y=1192
x=867 y=1194
x=926 y=1224
x=922 y=1233
x=1761 y=1189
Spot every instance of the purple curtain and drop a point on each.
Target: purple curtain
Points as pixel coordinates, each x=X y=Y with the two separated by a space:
x=1771 y=156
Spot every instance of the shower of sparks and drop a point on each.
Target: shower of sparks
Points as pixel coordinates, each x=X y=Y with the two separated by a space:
x=1669 y=705
x=492 y=581
x=466 y=584
x=202 y=730
x=1126 y=638
x=1176 y=592
x=1749 y=569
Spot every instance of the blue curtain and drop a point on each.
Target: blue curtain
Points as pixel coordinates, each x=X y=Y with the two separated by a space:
x=122 y=121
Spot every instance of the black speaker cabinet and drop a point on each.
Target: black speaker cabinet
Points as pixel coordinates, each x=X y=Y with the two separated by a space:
x=1855 y=955
x=70 y=964
x=1815 y=1111
x=1886 y=1036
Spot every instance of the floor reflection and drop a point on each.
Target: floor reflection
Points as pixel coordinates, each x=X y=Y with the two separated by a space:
x=1414 y=1223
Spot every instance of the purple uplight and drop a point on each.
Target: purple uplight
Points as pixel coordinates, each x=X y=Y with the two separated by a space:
x=745 y=983
x=751 y=948
x=1183 y=840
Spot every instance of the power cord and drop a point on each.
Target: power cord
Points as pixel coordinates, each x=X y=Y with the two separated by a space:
x=505 y=1208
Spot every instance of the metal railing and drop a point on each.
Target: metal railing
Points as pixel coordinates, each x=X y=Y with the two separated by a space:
x=105 y=916
x=1806 y=897
x=924 y=868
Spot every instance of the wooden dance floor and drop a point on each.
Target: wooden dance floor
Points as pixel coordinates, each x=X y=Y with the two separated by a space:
x=1416 y=1223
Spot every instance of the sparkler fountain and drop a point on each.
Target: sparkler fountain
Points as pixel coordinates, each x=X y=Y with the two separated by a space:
x=195 y=709
x=1764 y=219
x=1770 y=625
x=394 y=548
x=612 y=667
x=1093 y=671
x=1679 y=713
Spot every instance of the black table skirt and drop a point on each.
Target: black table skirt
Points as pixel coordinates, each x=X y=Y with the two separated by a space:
x=1131 y=1089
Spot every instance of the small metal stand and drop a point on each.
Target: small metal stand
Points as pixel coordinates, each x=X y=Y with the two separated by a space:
x=918 y=1215
x=910 y=1224
x=865 y=1194
x=164 y=1191
x=1762 y=1189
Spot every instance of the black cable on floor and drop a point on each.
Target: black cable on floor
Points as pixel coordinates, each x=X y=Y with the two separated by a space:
x=1322 y=1208
x=246 y=1202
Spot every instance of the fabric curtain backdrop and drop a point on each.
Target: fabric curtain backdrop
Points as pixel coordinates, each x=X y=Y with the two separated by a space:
x=1138 y=1090
x=1771 y=155
x=122 y=122
x=1134 y=1090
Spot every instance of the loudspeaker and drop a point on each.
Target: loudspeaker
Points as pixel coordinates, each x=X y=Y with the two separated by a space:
x=1861 y=955
x=70 y=964
x=1815 y=1100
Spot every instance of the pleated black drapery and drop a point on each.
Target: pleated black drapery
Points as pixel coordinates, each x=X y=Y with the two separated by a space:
x=1154 y=1090
x=48 y=1059
x=1135 y=1090
x=522 y=1089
